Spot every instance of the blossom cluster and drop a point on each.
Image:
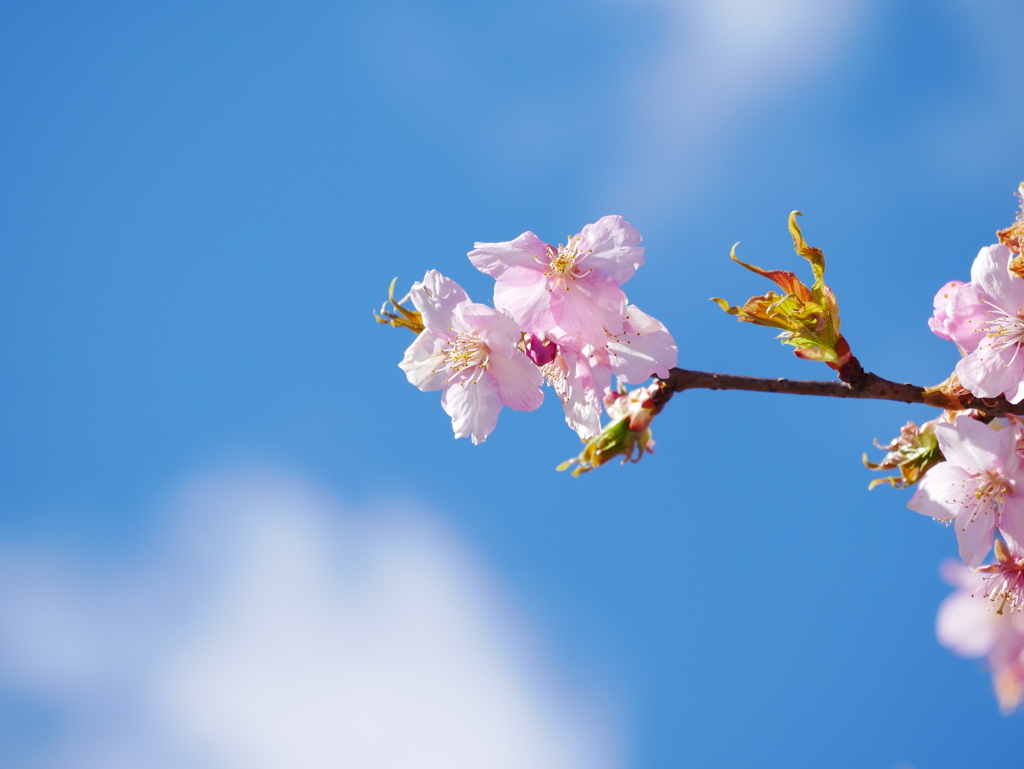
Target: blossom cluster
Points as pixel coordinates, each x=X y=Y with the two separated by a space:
x=969 y=467
x=560 y=317
x=977 y=487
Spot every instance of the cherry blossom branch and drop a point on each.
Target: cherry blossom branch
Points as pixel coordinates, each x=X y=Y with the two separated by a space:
x=944 y=396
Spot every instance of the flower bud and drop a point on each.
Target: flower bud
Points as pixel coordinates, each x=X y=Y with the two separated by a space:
x=629 y=433
x=638 y=407
x=540 y=349
x=807 y=317
x=615 y=440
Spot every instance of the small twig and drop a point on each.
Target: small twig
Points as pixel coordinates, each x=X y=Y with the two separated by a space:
x=873 y=387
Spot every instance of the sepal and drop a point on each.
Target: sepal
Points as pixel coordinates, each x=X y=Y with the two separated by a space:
x=1013 y=238
x=401 y=317
x=913 y=453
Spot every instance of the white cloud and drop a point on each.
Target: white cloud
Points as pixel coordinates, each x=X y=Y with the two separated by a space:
x=277 y=630
x=717 y=61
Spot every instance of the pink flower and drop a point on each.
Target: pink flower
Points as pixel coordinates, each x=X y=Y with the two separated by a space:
x=979 y=487
x=571 y=377
x=469 y=351
x=984 y=319
x=1004 y=579
x=968 y=626
x=570 y=291
x=644 y=349
x=937 y=323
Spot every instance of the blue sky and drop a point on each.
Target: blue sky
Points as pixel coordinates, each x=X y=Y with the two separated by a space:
x=200 y=205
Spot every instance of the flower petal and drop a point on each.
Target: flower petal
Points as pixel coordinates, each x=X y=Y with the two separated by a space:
x=990 y=371
x=424 y=364
x=937 y=323
x=974 y=445
x=967 y=316
x=599 y=360
x=989 y=272
x=436 y=298
x=1011 y=520
x=1016 y=395
x=974 y=534
x=964 y=624
x=581 y=400
x=1008 y=681
x=959 y=576
x=496 y=328
x=494 y=258
x=588 y=308
x=614 y=245
x=473 y=406
x=518 y=379
x=938 y=493
x=523 y=292
x=644 y=348
x=570 y=376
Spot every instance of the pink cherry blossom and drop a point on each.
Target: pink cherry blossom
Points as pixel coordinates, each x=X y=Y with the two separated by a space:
x=645 y=348
x=469 y=352
x=570 y=374
x=937 y=323
x=984 y=319
x=1004 y=579
x=969 y=626
x=978 y=488
x=581 y=374
x=568 y=291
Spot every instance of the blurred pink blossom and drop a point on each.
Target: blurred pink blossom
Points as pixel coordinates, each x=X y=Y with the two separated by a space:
x=969 y=626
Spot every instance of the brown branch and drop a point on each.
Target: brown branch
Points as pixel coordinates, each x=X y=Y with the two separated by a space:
x=947 y=395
